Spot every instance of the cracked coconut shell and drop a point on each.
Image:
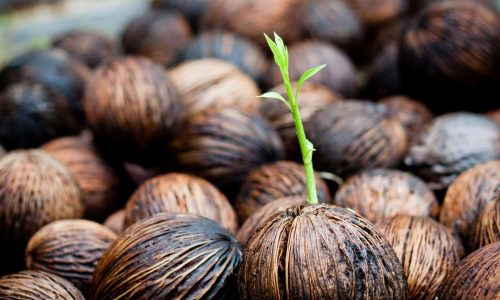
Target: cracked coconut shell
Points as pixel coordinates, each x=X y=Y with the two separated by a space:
x=351 y=136
x=320 y=252
x=427 y=250
x=224 y=145
x=339 y=74
x=36 y=285
x=476 y=277
x=69 y=249
x=467 y=197
x=275 y=181
x=98 y=182
x=212 y=83
x=450 y=145
x=180 y=193
x=381 y=194
x=169 y=256
x=487 y=228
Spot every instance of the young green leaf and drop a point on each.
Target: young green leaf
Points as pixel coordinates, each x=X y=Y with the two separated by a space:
x=277 y=96
x=278 y=58
x=307 y=74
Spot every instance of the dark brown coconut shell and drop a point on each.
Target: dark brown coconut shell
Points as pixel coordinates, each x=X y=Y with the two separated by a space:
x=451 y=144
x=351 y=136
x=313 y=97
x=89 y=47
x=69 y=249
x=180 y=193
x=32 y=114
x=253 y=18
x=427 y=250
x=258 y=218
x=53 y=68
x=339 y=73
x=475 y=277
x=131 y=106
x=450 y=56
x=320 y=252
x=378 y=12
x=275 y=181
x=381 y=194
x=158 y=35
x=412 y=114
x=98 y=182
x=333 y=21
x=224 y=145
x=194 y=9
x=35 y=285
x=383 y=77
x=116 y=221
x=466 y=198
x=213 y=83
x=231 y=47
x=169 y=256
x=487 y=228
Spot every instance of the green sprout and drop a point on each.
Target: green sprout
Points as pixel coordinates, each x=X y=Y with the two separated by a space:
x=280 y=53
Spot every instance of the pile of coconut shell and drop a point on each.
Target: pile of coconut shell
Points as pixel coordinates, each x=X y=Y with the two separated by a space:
x=147 y=168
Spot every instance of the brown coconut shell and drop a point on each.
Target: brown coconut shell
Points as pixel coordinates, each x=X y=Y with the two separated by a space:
x=381 y=194
x=467 y=197
x=265 y=212
x=131 y=105
x=351 y=136
x=169 y=256
x=213 y=83
x=194 y=9
x=313 y=97
x=89 y=47
x=98 y=182
x=339 y=73
x=450 y=145
x=412 y=114
x=115 y=221
x=180 y=193
x=320 y=252
x=35 y=285
x=69 y=249
x=383 y=78
x=157 y=34
x=374 y=13
x=275 y=181
x=427 y=250
x=487 y=228
x=475 y=277
x=224 y=145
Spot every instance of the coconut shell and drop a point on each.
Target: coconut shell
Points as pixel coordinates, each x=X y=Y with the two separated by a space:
x=115 y=221
x=224 y=145
x=131 y=106
x=450 y=145
x=381 y=194
x=475 y=277
x=339 y=74
x=320 y=252
x=333 y=21
x=377 y=12
x=383 y=77
x=275 y=181
x=69 y=249
x=98 y=182
x=412 y=114
x=351 y=136
x=265 y=212
x=169 y=256
x=89 y=47
x=427 y=250
x=253 y=18
x=35 y=285
x=487 y=228
x=449 y=56
x=313 y=97
x=180 y=193
x=241 y=52
x=158 y=35
x=32 y=114
x=466 y=198
x=213 y=83
x=194 y=9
